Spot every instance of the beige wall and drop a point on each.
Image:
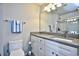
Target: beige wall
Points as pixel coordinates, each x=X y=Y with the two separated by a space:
x=44 y=21
x=28 y=13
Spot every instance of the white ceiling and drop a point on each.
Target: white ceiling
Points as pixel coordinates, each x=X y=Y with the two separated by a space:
x=38 y=4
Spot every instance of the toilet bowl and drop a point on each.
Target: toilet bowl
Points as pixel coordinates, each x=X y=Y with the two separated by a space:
x=16 y=48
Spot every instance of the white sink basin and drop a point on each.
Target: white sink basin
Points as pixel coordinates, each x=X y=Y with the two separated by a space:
x=63 y=39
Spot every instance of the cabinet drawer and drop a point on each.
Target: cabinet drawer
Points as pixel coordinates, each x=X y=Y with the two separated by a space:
x=61 y=46
x=68 y=50
x=66 y=53
x=51 y=43
x=52 y=52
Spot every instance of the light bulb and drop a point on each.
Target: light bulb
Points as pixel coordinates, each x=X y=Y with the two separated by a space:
x=59 y=5
x=74 y=19
x=45 y=8
x=53 y=7
x=48 y=10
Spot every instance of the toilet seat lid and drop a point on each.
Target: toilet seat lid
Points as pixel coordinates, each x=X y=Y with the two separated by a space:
x=17 y=52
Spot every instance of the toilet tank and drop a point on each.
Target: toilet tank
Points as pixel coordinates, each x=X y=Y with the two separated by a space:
x=15 y=44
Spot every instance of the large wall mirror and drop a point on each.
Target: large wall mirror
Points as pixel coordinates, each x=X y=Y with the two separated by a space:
x=59 y=18
x=70 y=25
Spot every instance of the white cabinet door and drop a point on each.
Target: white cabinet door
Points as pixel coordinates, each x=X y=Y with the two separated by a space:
x=35 y=45
x=41 y=47
x=67 y=50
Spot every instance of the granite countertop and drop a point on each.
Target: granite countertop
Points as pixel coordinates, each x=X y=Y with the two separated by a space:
x=74 y=42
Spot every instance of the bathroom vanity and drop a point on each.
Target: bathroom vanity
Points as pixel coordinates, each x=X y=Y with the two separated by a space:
x=45 y=44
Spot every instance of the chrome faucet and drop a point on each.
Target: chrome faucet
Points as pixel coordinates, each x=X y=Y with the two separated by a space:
x=50 y=28
x=65 y=34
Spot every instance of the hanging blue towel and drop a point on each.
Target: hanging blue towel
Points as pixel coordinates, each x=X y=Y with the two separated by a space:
x=13 y=26
x=16 y=26
x=19 y=26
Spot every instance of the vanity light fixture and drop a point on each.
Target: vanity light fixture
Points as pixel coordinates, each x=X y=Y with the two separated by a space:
x=48 y=10
x=49 y=7
x=52 y=6
x=59 y=5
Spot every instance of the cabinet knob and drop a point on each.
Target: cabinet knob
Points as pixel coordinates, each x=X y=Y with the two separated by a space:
x=40 y=48
x=52 y=52
x=40 y=40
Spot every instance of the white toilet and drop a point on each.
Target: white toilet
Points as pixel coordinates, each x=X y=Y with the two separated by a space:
x=16 y=48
